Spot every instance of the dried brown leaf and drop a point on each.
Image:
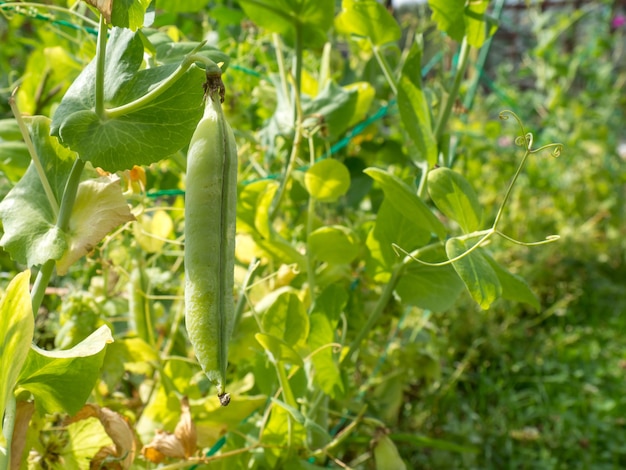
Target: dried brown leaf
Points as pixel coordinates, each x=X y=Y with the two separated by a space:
x=163 y=444
x=118 y=430
x=186 y=429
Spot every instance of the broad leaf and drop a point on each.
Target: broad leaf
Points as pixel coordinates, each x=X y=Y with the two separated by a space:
x=455 y=197
x=280 y=432
x=414 y=108
x=327 y=180
x=324 y=317
x=392 y=227
x=311 y=17
x=169 y=52
x=61 y=381
x=278 y=350
x=286 y=319
x=513 y=287
x=475 y=23
x=253 y=207
x=333 y=244
x=17 y=325
x=124 y=14
x=449 y=16
x=139 y=135
x=368 y=18
x=404 y=200
x=30 y=234
x=476 y=272
x=429 y=287
x=100 y=207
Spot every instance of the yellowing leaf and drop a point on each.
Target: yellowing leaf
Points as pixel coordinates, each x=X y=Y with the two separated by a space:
x=100 y=207
x=152 y=230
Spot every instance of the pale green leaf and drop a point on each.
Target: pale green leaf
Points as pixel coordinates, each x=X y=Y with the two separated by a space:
x=333 y=244
x=286 y=318
x=100 y=207
x=449 y=17
x=327 y=180
x=17 y=325
x=61 y=381
x=278 y=350
x=368 y=18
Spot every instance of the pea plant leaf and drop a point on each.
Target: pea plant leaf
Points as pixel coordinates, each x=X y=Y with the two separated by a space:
x=333 y=244
x=324 y=317
x=167 y=51
x=455 y=198
x=285 y=318
x=124 y=14
x=28 y=218
x=392 y=227
x=311 y=17
x=405 y=200
x=457 y=19
x=368 y=18
x=61 y=381
x=448 y=14
x=100 y=207
x=434 y=288
x=139 y=135
x=16 y=334
x=476 y=272
x=327 y=180
x=513 y=287
x=414 y=108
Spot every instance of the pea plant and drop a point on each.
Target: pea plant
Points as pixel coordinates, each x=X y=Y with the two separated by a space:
x=303 y=251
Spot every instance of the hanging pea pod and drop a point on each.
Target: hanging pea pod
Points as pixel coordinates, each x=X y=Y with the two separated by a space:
x=210 y=213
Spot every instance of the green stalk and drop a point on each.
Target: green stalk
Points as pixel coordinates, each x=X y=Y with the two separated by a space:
x=385 y=68
x=146 y=99
x=67 y=203
x=100 y=62
x=7 y=429
x=139 y=306
x=295 y=150
x=446 y=109
x=383 y=300
x=309 y=229
x=54 y=204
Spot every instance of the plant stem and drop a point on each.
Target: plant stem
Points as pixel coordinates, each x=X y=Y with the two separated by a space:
x=295 y=150
x=309 y=229
x=54 y=204
x=385 y=67
x=100 y=64
x=509 y=190
x=446 y=109
x=67 y=203
x=383 y=300
x=8 y=425
x=162 y=87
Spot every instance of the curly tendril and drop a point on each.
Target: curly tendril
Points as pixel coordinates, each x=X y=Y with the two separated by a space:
x=525 y=140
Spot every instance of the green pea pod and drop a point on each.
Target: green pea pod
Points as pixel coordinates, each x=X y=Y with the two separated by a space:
x=210 y=213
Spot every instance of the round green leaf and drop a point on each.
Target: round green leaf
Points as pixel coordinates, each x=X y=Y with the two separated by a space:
x=334 y=244
x=327 y=180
